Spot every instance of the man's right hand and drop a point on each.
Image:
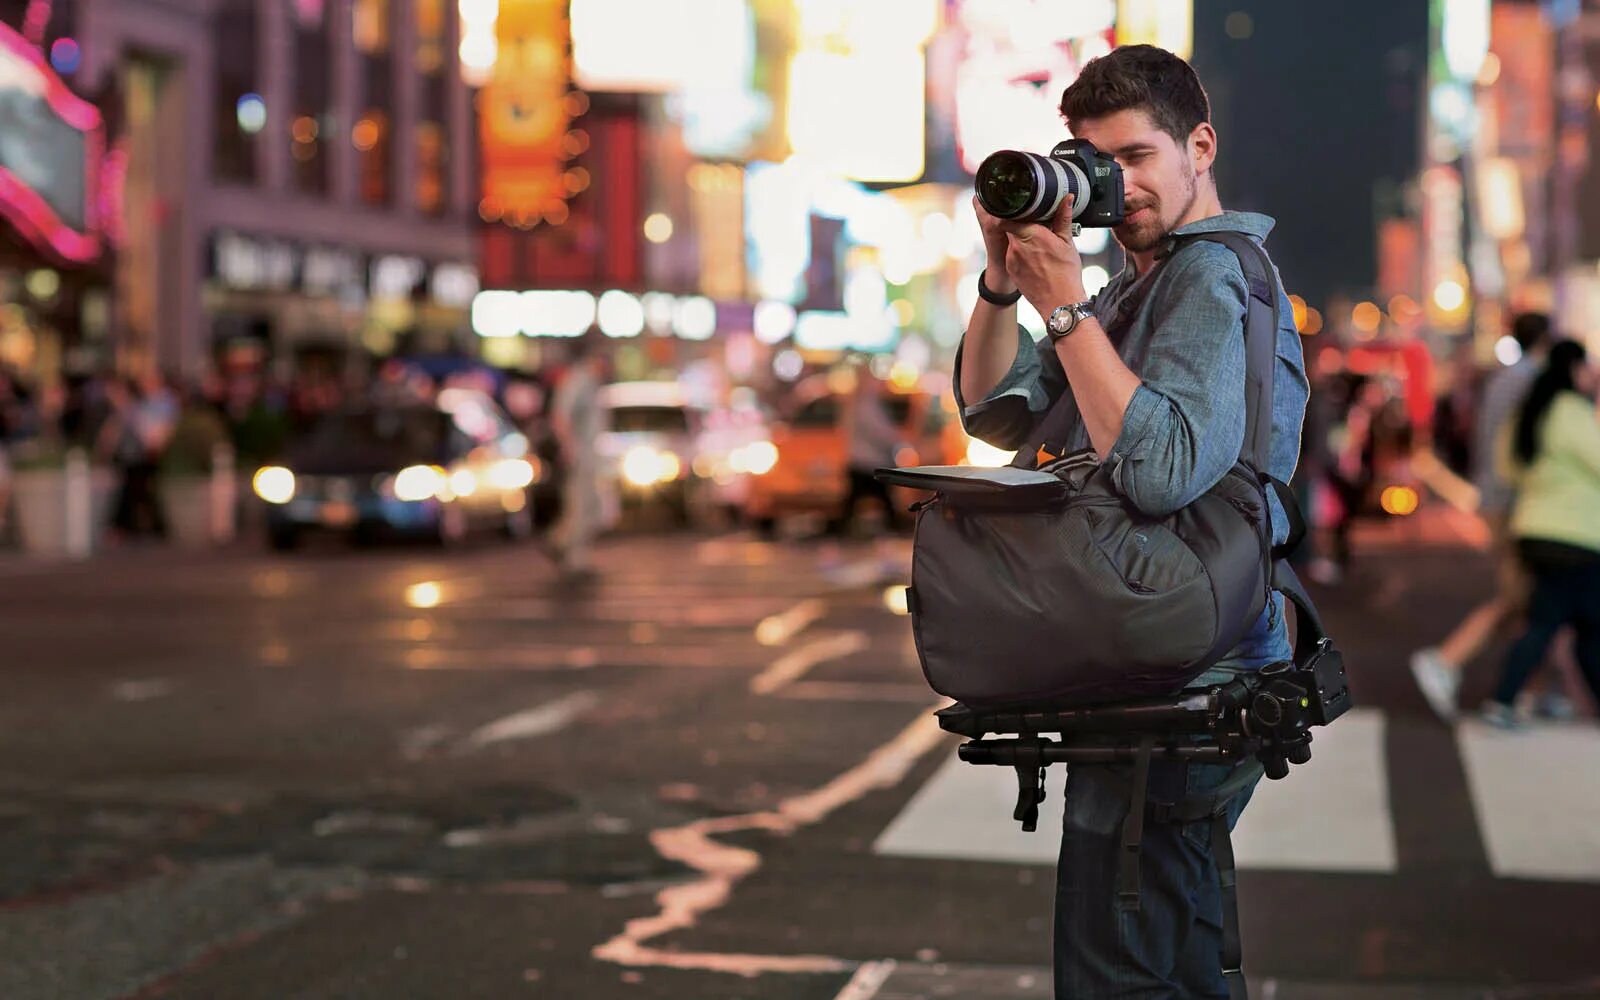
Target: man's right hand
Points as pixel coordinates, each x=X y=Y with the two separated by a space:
x=995 y=277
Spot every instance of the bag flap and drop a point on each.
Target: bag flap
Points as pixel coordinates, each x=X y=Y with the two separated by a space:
x=966 y=478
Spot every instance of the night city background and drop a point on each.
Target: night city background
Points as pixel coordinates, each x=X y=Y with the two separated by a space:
x=436 y=551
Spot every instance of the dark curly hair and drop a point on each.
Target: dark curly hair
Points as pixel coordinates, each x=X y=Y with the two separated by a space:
x=1139 y=77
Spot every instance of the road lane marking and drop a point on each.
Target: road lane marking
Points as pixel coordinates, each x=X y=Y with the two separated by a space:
x=775 y=630
x=793 y=665
x=681 y=906
x=867 y=981
x=142 y=690
x=1330 y=814
x=964 y=811
x=541 y=720
x=1536 y=793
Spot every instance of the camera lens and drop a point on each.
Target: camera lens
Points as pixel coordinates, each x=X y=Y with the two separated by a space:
x=1006 y=183
x=1027 y=187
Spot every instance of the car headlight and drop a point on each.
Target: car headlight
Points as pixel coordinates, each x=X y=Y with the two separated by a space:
x=760 y=458
x=645 y=466
x=511 y=474
x=463 y=482
x=987 y=456
x=418 y=482
x=274 y=484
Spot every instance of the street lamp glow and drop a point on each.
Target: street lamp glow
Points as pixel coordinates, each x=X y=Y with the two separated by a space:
x=773 y=321
x=620 y=314
x=658 y=227
x=1449 y=296
x=251 y=112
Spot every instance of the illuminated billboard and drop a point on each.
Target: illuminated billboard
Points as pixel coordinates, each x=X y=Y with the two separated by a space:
x=50 y=145
x=1019 y=56
x=525 y=113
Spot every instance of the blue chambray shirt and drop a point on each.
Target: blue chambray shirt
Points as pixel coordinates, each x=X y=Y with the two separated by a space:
x=1185 y=424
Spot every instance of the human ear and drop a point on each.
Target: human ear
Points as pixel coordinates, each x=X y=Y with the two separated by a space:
x=1202 y=147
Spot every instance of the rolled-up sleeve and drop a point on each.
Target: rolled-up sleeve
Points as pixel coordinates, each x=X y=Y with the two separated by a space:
x=1008 y=413
x=1185 y=424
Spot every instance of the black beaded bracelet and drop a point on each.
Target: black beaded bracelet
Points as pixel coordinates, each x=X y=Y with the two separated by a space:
x=994 y=298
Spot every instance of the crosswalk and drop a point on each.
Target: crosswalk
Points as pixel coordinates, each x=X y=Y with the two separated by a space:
x=1535 y=795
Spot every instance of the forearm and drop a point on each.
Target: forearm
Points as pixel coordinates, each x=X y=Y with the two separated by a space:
x=990 y=344
x=1101 y=383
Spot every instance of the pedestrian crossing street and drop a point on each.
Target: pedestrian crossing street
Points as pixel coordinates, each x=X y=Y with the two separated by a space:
x=1535 y=796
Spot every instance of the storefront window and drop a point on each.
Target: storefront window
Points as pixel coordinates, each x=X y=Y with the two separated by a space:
x=373 y=131
x=241 y=111
x=432 y=138
x=312 y=121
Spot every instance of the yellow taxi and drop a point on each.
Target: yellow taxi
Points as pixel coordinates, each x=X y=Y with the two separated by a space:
x=811 y=472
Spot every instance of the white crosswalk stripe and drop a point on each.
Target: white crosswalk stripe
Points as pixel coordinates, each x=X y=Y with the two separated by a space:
x=964 y=812
x=1537 y=798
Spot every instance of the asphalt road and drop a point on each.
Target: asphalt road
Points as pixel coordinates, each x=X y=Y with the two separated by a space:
x=710 y=773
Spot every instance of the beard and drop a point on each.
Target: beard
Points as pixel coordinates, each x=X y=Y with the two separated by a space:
x=1150 y=230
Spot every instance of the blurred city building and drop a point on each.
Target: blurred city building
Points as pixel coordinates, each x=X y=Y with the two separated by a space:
x=748 y=190
x=278 y=181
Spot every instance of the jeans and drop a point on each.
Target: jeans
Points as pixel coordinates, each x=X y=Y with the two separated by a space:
x=1171 y=947
x=1566 y=589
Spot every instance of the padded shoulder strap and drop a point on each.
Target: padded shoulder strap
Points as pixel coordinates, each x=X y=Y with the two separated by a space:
x=1261 y=339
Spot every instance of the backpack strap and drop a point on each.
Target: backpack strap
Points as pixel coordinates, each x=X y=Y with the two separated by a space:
x=1260 y=336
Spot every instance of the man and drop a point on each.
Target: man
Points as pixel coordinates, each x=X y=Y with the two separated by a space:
x=1164 y=404
x=1437 y=669
x=576 y=418
x=874 y=440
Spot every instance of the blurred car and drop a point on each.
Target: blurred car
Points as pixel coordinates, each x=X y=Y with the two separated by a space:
x=809 y=470
x=434 y=470
x=665 y=446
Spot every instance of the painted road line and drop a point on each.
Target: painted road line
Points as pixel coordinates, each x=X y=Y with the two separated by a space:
x=1536 y=793
x=724 y=866
x=541 y=720
x=1331 y=814
x=964 y=811
x=792 y=666
x=142 y=690
x=775 y=630
x=867 y=981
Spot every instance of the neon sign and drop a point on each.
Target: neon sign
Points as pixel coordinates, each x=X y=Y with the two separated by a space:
x=50 y=145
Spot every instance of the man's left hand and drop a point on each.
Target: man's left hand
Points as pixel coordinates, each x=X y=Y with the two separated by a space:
x=1044 y=261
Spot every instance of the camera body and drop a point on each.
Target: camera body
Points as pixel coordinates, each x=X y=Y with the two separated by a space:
x=1026 y=187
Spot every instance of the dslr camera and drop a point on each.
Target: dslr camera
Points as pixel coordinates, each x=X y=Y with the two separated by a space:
x=1026 y=187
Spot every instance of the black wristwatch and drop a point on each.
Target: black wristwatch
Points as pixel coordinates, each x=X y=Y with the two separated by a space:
x=995 y=298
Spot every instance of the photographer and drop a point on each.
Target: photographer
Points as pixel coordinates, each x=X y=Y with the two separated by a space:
x=1160 y=392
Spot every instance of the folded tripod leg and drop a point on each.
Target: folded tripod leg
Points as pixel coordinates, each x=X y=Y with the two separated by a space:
x=1030 y=792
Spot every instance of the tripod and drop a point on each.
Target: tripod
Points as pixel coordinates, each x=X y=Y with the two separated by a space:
x=1259 y=722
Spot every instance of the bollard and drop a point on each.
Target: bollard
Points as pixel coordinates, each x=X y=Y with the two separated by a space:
x=78 y=506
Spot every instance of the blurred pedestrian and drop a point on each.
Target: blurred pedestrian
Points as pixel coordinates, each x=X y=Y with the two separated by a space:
x=874 y=440
x=576 y=418
x=1556 y=521
x=144 y=417
x=1437 y=669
